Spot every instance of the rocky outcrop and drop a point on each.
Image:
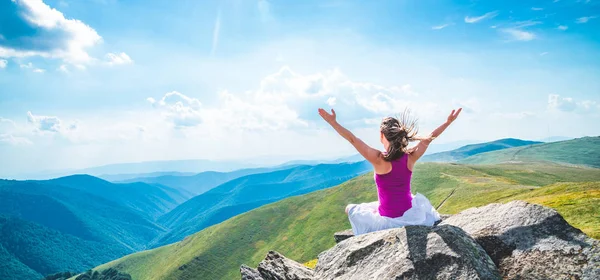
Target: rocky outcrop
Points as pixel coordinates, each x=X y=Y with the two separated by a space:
x=529 y=241
x=277 y=267
x=412 y=252
x=342 y=235
x=516 y=240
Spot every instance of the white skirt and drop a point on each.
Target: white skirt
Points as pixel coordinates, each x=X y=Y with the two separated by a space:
x=365 y=217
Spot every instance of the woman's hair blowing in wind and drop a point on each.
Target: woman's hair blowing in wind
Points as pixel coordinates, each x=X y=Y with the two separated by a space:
x=399 y=132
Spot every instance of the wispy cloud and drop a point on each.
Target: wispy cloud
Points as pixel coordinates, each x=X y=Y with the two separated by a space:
x=526 y=23
x=562 y=27
x=216 y=31
x=480 y=18
x=537 y=9
x=438 y=27
x=3 y=63
x=33 y=68
x=118 y=59
x=544 y=53
x=517 y=34
x=585 y=19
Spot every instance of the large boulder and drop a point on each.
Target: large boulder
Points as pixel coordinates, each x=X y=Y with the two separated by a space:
x=412 y=252
x=528 y=241
x=276 y=267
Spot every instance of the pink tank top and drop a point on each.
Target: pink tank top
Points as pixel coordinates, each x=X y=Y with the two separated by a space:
x=393 y=189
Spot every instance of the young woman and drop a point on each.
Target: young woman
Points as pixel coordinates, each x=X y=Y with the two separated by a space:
x=396 y=206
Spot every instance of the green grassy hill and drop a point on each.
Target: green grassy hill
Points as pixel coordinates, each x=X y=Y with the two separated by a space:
x=28 y=249
x=473 y=149
x=581 y=151
x=50 y=228
x=301 y=227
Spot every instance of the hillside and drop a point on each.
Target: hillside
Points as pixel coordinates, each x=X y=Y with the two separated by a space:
x=248 y=192
x=97 y=228
x=301 y=227
x=151 y=200
x=580 y=151
x=29 y=250
x=473 y=149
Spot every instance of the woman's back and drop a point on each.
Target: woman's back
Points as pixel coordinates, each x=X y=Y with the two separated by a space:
x=393 y=189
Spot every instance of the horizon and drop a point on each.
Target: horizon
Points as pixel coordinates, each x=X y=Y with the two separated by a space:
x=85 y=84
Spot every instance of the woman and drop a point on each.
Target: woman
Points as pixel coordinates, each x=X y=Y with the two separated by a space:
x=396 y=206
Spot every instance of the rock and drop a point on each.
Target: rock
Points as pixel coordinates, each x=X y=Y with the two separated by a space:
x=249 y=273
x=528 y=241
x=412 y=252
x=343 y=235
x=277 y=267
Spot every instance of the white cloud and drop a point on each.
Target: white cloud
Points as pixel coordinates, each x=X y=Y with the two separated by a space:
x=562 y=27
x=32 y=67
x=568 y=104
x=517 y=34
x=63 y=68
x=54 y=36
x=480 y=18
x=181 y=110
x=216 y=31
x=543 y=53
x=14 y=140
x=287 y=99
x=118 y=59
x=45 y=123
x=513 y=115
x=3 y=63
x=438 y=27
x=526 y=23
x=536 y=9
x=585 y=19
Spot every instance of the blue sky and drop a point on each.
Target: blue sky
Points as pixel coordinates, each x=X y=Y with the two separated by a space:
x=85 y=83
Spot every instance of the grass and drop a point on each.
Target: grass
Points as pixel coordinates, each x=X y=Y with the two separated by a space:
x=581 y=151
x=301 y=227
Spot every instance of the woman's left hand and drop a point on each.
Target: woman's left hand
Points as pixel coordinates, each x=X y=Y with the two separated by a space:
x=330 y=118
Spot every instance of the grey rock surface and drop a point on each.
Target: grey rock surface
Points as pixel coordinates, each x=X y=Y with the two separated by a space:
x=412 y=252
x=277 y=267
x=529 y=241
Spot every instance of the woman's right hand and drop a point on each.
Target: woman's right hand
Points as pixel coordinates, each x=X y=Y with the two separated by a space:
x=329 y=118
x=452 y=117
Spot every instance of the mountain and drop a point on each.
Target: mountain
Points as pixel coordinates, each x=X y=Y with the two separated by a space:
x=89 y=227
x=301 y=227
x=251 y=191
x=125 y=177
x=580 y=151
x=183 y=166
x=30 y=251
x=201 y=182
x=473 y=149
x=556 y=139
x=152 y=200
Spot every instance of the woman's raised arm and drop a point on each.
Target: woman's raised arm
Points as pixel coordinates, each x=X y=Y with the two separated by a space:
x=420 y=149
x=370 y=154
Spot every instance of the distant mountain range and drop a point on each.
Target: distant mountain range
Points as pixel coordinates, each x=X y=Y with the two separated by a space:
x=301 y=227
x=251 y=191
x=473 y=149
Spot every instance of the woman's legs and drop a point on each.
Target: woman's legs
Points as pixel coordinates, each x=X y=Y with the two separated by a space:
x=349 y=207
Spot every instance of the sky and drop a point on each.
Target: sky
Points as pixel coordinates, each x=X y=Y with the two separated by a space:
x=87 y=83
